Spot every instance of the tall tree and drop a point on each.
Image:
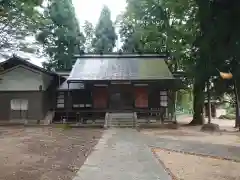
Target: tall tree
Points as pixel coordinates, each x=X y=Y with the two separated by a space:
x=105 y=36
x=18 y=19
x=201 y=36
x=141 y=27
x=89 y=35
x=155 y=26
x=60 y=34
x=217 y=43
x=227 y=42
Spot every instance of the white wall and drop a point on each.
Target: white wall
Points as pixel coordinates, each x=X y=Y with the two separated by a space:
x=23 y=79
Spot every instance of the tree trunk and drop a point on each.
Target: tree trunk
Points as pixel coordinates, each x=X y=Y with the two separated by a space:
x=236 y=93
x=198 y=103
x=209 y=102
x=202 y=42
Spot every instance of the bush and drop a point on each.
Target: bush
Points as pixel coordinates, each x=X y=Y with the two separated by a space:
x=228 y=116
x=231 y=110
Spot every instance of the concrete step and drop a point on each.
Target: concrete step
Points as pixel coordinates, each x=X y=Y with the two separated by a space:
x=125 y=123
x=122 y=126
x=121 y=115
x=120 y=120
x=120 y=123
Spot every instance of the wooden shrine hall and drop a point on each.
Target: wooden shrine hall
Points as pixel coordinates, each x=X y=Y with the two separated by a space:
x=128 y=83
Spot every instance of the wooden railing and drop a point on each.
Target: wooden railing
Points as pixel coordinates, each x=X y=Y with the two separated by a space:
x=82 y=115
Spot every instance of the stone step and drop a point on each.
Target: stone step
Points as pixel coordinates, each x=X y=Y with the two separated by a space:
x=125 y=123
x=118 y=122
x=121 y=115
x=121 y=120
x=122 y=126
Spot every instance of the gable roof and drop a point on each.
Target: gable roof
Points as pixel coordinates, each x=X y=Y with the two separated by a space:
x=16 y=61
x=120 y=67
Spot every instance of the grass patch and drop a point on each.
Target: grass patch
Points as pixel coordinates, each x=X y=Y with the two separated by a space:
x=64 y=126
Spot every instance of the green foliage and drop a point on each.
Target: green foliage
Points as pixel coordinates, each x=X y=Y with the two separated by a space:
x=89 y=35
x=18 y=19
x=198 y=35
x=105 y=37
x=184 y=100
x=228 y=116
x=167 y=26
x=141 y=27
x=159 y=27
x=231 y=110
x=218 y=42
x=60 y=34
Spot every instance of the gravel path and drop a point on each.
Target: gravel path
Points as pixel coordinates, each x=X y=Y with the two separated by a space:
x=187 y=156
x=122 y=154
x=190 y=167
x=195 y=134
x=224 y=151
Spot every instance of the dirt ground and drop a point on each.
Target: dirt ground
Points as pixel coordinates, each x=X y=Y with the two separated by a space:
x=223 y=123
x=228 y=135
x=194 y=134
x=189 y=167
x=44 y=153
x=184 y=166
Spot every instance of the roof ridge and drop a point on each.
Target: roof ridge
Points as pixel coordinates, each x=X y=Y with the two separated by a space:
x=121 y=56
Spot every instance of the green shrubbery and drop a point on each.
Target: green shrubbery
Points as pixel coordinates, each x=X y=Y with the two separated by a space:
x=228 y=116
x=231 y=110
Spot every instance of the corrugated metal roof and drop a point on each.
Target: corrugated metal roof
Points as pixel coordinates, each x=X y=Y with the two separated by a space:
x=16 y=60
x=72 y=86
x=128 y=68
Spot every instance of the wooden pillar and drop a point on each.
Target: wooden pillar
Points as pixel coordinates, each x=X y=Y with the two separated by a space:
x=237 y=121
x=174 y=104
x=209 y=102
x=68 y=104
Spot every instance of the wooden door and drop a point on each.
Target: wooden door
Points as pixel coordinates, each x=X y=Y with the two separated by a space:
x=141 y=97
x=121 y=97
x=100 y=97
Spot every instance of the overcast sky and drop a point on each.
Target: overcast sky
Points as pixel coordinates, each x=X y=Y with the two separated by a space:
x=90 y=9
